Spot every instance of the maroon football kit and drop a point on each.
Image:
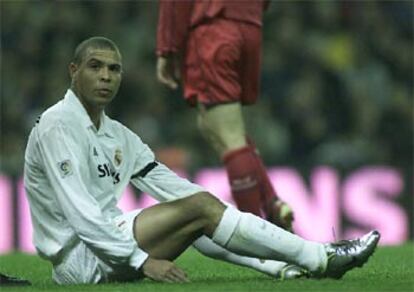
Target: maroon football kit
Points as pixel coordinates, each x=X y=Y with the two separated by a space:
x=219 y=42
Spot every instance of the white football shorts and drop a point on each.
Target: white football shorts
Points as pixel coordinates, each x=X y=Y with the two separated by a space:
x=82 y=266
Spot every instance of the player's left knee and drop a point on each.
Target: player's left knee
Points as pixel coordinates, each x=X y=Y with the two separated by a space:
x=209 y=211
x=207 y=205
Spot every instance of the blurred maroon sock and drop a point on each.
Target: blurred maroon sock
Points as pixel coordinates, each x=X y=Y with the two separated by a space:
x=268 y=194
x=244 y=178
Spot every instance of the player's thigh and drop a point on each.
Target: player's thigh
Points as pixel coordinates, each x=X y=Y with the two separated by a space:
x=167 y=229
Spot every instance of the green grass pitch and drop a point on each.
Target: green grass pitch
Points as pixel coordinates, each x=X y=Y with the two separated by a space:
x=390 y=269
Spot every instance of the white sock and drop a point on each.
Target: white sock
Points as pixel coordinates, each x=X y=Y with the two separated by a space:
x=208 y=248
x=247 y=234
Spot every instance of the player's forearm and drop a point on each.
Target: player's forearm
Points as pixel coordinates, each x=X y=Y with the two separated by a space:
x=164 y=185
x=117 y=252
x=99 y=232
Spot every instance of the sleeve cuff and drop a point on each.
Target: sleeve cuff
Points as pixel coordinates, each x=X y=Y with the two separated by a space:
x=138 y=258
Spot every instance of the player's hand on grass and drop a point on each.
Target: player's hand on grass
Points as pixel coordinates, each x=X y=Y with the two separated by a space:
x=168 y=70
x=163 y=271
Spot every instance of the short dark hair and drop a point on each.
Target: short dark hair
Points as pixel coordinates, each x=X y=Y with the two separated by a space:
x=96 y=42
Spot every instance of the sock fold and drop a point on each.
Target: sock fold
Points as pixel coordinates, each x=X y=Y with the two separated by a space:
x=227 y=226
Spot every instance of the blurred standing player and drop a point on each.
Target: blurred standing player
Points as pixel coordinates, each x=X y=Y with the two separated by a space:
x=216 y=46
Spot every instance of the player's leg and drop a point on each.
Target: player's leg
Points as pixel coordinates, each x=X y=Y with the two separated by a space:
x=223 y=126
x=253 y=236
x=275 y=269
x=219 y=76
x=211 y=78
x=165 y=230
x=275 y=210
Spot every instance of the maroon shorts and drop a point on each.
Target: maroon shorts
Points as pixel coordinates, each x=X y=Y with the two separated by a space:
x=222 y=63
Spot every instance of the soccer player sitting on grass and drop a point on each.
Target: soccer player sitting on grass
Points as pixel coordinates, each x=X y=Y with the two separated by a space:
x=78 y=162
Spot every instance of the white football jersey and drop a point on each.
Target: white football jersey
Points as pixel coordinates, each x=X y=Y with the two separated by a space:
x=74 y=176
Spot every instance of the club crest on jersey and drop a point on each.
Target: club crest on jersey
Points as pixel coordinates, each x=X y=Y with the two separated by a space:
x=118 y=157
x=65 y=168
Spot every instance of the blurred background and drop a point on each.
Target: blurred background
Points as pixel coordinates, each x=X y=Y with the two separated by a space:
x=337 y=84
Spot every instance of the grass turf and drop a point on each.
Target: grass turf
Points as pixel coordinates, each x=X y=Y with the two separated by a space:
x=390 y=269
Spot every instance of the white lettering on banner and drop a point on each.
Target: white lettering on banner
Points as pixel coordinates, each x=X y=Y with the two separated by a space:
x=366 y=198
x=368 y=195
x=317 y=209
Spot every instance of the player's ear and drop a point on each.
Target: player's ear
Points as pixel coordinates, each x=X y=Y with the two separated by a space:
x=72 y=69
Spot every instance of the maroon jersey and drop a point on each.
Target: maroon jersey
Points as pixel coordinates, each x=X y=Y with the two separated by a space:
x=177 y=17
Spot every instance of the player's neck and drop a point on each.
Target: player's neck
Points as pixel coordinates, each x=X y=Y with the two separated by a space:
x=95 y=118
x=94 y=112
x=95 y=115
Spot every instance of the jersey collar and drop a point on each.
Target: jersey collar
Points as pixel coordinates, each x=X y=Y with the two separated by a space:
x=73 y=102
